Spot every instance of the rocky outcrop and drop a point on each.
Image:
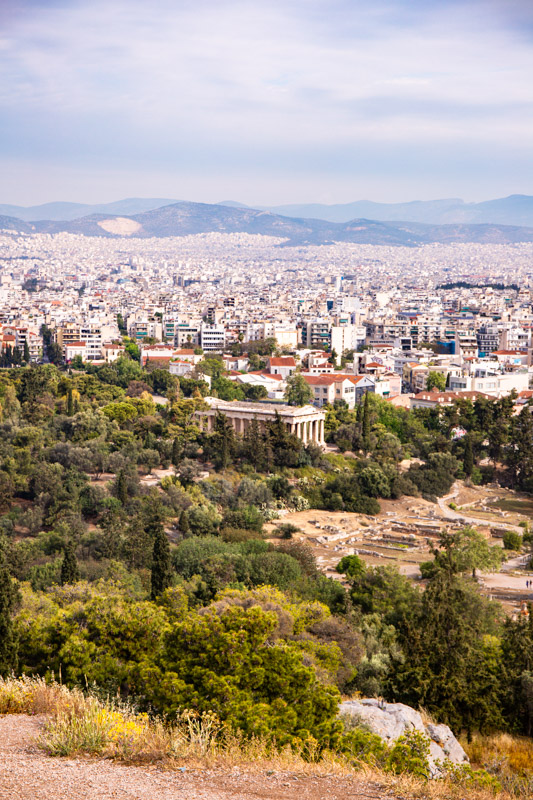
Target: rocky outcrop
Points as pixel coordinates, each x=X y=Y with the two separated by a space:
x=392 y=720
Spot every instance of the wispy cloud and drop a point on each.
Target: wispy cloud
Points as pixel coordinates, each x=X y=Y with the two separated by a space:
x=241 y=85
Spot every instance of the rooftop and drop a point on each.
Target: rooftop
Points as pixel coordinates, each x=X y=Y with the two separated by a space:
x=263 y=408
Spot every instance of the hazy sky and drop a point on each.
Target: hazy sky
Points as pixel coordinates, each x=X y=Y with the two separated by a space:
x=265 y=101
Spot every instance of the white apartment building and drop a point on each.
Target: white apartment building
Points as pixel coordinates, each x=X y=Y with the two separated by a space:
x=496 y=385
x=91 y=334
x=212 y=338
x=186 y=334
x=346 y=337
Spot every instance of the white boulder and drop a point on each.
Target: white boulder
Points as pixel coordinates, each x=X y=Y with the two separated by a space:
x=392 y=720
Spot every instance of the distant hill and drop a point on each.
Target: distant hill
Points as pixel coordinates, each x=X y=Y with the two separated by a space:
x=234 y=204
x=517 y=209
x=182 y=219
x=13 y=224
x=70 y=211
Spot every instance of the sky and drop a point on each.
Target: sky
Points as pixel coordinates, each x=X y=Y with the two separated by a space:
x=265 y=101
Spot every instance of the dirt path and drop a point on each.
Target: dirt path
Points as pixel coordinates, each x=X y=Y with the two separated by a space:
x=449 y=513
x=27 y=774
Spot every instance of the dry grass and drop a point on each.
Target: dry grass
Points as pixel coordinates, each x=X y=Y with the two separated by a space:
x=81 y=723
x=515 y=751
x=508 y=757
x=35 y=696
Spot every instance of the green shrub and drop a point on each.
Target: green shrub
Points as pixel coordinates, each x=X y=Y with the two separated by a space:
x=410 y=753
x=512 y=541
x=468 y=778
x=363 y=745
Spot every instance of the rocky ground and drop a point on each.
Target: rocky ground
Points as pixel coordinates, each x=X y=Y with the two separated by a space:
x=26 y=773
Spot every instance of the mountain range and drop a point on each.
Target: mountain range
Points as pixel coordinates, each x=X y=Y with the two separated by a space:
x=517 y=209
x=182 y=219
x=68 y=211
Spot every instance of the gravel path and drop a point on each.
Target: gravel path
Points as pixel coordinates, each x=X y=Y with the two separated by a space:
x=461 y=516
x=27 y=774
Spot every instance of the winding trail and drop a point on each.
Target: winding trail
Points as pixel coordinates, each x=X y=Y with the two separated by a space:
x=460 y=516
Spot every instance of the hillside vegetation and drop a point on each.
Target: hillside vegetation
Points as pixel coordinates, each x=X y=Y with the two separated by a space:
x=161 y=591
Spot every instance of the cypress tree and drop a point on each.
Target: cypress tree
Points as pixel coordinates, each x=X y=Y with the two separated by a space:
x=26 y=353
x=468 y=461
x=254 y=445
x=161 y=566
x=122 y=488
x=70 y=403
x=176 y=452
x=366 y=425
x=70 y=572
x=8 y=639
x=183 y=523
x=224 y=439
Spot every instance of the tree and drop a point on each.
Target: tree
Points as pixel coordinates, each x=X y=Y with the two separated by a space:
x=7 y=490
x=8 y=638
x=436 y=380
x=70 y=402
x=298 y=391
x=223 y=441
x=161 y=566
x=149 y=458
x=133 y=350
x=223 y=659
x=54 y=353
x=450 y=666
x=121 y=487
x=70 y=572
x=466 y=551
x=177 y=451
x=468 y=461
x=253 y=446
x=512 y=541
x=517 y=677
x=520 y=452
x=366 y=423
x=26 y=355
x=351 y=566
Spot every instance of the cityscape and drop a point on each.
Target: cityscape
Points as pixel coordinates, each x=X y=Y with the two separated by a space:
x=339 y=314
x=266 y=400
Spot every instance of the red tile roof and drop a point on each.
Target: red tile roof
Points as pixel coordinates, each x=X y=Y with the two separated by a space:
x=283 y=361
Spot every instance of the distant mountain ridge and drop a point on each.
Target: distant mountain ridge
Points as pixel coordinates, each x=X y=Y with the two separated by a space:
x=183 y=219
x=62 y=212
x=515 y=210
